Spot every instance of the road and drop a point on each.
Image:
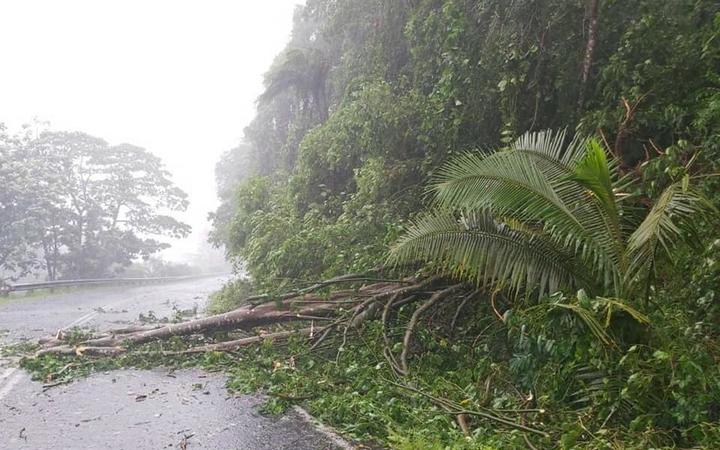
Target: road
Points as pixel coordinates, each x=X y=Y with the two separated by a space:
x=131 y=409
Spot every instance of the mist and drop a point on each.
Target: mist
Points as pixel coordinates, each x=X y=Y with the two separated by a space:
x=179 y=79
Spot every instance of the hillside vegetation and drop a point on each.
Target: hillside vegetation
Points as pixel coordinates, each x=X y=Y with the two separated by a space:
x=595 y=263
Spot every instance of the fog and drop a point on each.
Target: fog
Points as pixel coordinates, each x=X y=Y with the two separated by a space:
x=179 y=78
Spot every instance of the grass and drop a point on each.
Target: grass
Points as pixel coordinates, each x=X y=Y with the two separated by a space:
x=230 y=296
x=19 y=349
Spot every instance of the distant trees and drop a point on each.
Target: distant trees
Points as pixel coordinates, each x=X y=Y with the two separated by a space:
x=234 y=167
x=15 y=200
x=75 y=206
x=306 y=71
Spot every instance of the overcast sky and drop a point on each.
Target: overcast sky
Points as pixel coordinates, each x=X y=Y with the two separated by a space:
x=177 y=77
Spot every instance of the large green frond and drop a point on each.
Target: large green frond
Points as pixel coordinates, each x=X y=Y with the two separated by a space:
x=611 y=305
x=534 y=184
x=589 y=311
x=669 y=223
x=476 y=247
x=597 y=174
x=551 y=145
x=504 y=181
x=593 y=172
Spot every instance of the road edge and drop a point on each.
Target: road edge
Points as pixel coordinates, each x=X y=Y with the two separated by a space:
x=325 y=430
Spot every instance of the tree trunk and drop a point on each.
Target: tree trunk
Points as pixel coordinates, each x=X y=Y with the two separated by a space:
x=592 y=29
x=301 y=307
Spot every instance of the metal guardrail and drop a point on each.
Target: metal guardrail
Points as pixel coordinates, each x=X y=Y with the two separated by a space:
x=8 y=288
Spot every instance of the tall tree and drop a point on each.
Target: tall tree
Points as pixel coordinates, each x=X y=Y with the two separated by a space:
x=305 y=70
x=233 y=168
x=590 y=44
x=17 y=198
x=81 y=208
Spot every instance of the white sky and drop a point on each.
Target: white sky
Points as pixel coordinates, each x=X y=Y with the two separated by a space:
x=177 y=77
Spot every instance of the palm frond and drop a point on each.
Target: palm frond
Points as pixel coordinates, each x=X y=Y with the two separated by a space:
x=593 y=172
x=531 y=186
x=589 y=319
x=669 y=223
x=537 y=314
x=611 y=305
x=598 y=175
x=476 y=247
x=551 y=145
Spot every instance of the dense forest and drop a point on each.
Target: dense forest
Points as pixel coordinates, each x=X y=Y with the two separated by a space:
x=470 y=224
x=595 y=257
x=370 y=98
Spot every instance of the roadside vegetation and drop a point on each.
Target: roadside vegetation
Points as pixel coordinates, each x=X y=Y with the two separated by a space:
x=470 y=224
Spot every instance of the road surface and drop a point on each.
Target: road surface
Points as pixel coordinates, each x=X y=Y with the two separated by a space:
x=131 y=409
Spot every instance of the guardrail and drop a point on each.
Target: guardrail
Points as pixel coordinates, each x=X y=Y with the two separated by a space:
x=6 y=289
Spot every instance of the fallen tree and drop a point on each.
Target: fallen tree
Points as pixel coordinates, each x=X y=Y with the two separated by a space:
x=315 y=311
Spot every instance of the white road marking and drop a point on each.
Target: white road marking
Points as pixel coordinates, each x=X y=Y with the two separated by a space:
x=84 y=319
x=7 y=373
x=11 y=381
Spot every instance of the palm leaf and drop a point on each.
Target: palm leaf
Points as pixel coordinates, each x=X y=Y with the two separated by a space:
x=596 y=173
x=538 y=313
x=669 y=223
x=476 y=247
x=551 y=146
x=536 y=182
x=612 y=305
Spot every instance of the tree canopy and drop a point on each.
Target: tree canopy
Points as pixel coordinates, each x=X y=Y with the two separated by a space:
x=75 y=206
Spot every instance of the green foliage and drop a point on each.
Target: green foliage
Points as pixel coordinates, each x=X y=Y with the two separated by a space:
x=653 y=385
x=409 y=87
x=404 y=85
x=230 y=296
x=544 y=215
x=664 y=60
x=350 y=189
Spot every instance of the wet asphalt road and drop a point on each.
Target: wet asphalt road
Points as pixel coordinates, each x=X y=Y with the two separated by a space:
x=131 y=409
